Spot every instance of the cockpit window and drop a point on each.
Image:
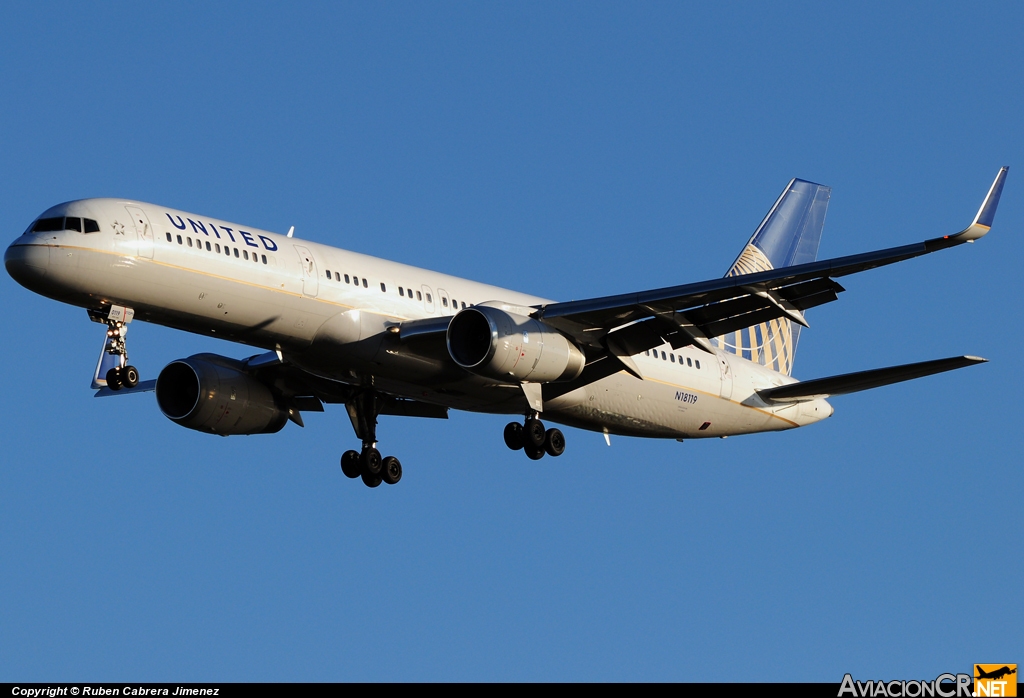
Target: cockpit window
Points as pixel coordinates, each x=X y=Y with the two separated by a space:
x=48 y=225
x=52 y=225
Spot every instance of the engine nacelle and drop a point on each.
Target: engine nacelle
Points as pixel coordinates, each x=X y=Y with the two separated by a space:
x=499 y=344
x=211 y=393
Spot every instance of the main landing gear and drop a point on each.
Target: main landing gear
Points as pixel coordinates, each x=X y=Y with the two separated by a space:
x=534 y=439
x=368 y=464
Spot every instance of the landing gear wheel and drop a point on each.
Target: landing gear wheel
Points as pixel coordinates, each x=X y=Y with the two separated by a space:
x=130 y=376
x=391 y=470
x=554 y=442
x=371 y=480
x=371 y=463
x=514 y=435
x=533 y=433
x=350 y=464
x=114 y=378
x=534 y=452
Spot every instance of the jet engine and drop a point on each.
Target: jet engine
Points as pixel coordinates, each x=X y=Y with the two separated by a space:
x=211 y=393
x=496 y=343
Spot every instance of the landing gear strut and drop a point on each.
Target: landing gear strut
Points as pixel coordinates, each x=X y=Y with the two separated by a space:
x=121 y=374
x=368 y=464
x=532 y=438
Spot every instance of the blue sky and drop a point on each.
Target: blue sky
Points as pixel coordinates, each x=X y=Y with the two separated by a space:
x=568 y=150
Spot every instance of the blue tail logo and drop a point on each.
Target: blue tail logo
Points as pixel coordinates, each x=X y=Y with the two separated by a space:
x=788 y=235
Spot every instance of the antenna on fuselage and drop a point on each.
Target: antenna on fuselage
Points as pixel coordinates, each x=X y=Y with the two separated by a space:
x=291 y=230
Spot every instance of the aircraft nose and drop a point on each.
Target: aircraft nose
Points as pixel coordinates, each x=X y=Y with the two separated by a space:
x=27 y=261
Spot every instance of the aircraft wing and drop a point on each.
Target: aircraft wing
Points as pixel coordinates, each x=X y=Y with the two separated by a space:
x=863 y=380
x=624 y=325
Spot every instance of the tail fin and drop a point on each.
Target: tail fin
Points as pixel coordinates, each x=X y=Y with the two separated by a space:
x=788 y=235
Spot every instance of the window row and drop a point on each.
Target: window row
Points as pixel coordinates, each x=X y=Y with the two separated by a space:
x=53 y=225
x=692 y=363
x=215 y=247
x=355 y=279
x=403 y=291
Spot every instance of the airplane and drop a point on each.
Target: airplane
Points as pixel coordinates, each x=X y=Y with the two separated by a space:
x=995 y=674
x=699 y=360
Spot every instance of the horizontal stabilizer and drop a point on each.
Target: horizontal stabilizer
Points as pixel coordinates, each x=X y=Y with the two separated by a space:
x=863 y=380
x=142 y=387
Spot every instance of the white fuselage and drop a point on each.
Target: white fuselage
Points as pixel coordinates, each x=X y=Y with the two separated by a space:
x=328 y=310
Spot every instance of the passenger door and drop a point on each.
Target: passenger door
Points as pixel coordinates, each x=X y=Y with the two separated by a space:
x=442 y=298
x=143 y=230
x=310 y=276
x=428 y=299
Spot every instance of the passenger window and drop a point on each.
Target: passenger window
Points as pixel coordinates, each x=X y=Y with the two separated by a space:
x=208 y=247
x=408 y=292
x=48 y=225
x=672 y=358
x=328 y=274
x=346 y=278
x=355 y=280
x=169 y=237
x=264 y=258
x=92 y=226
x=697 y=361
x=455 y=303
x=663 y=357
x=444 y=301
x=364 y=282
x=429 y=299
x=689 y=362
x=419 y=296
x=463 y=305
x=255 y=258
x=337 y=276
x=383 y=287
x=236 y=252
x=179 y=239
x=189 y=241
x=245 y=255
x=216 y=247
x=401 y=291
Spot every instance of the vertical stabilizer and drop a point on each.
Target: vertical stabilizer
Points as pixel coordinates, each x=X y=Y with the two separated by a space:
x=788 y=235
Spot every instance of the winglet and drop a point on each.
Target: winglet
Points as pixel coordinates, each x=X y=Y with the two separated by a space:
x=986 y=214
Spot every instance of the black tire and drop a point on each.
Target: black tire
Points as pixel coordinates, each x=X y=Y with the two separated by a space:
x=350 y=464
x=534 y=452
x=371 y=480
x=130 y=376
x=533 y=433
x=514 y=435
x=371 y=462
x=554 y=442
x=114 y=378
x=391 y=470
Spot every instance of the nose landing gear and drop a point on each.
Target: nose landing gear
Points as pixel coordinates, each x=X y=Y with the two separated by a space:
x=115 y=350
x=532 y=438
